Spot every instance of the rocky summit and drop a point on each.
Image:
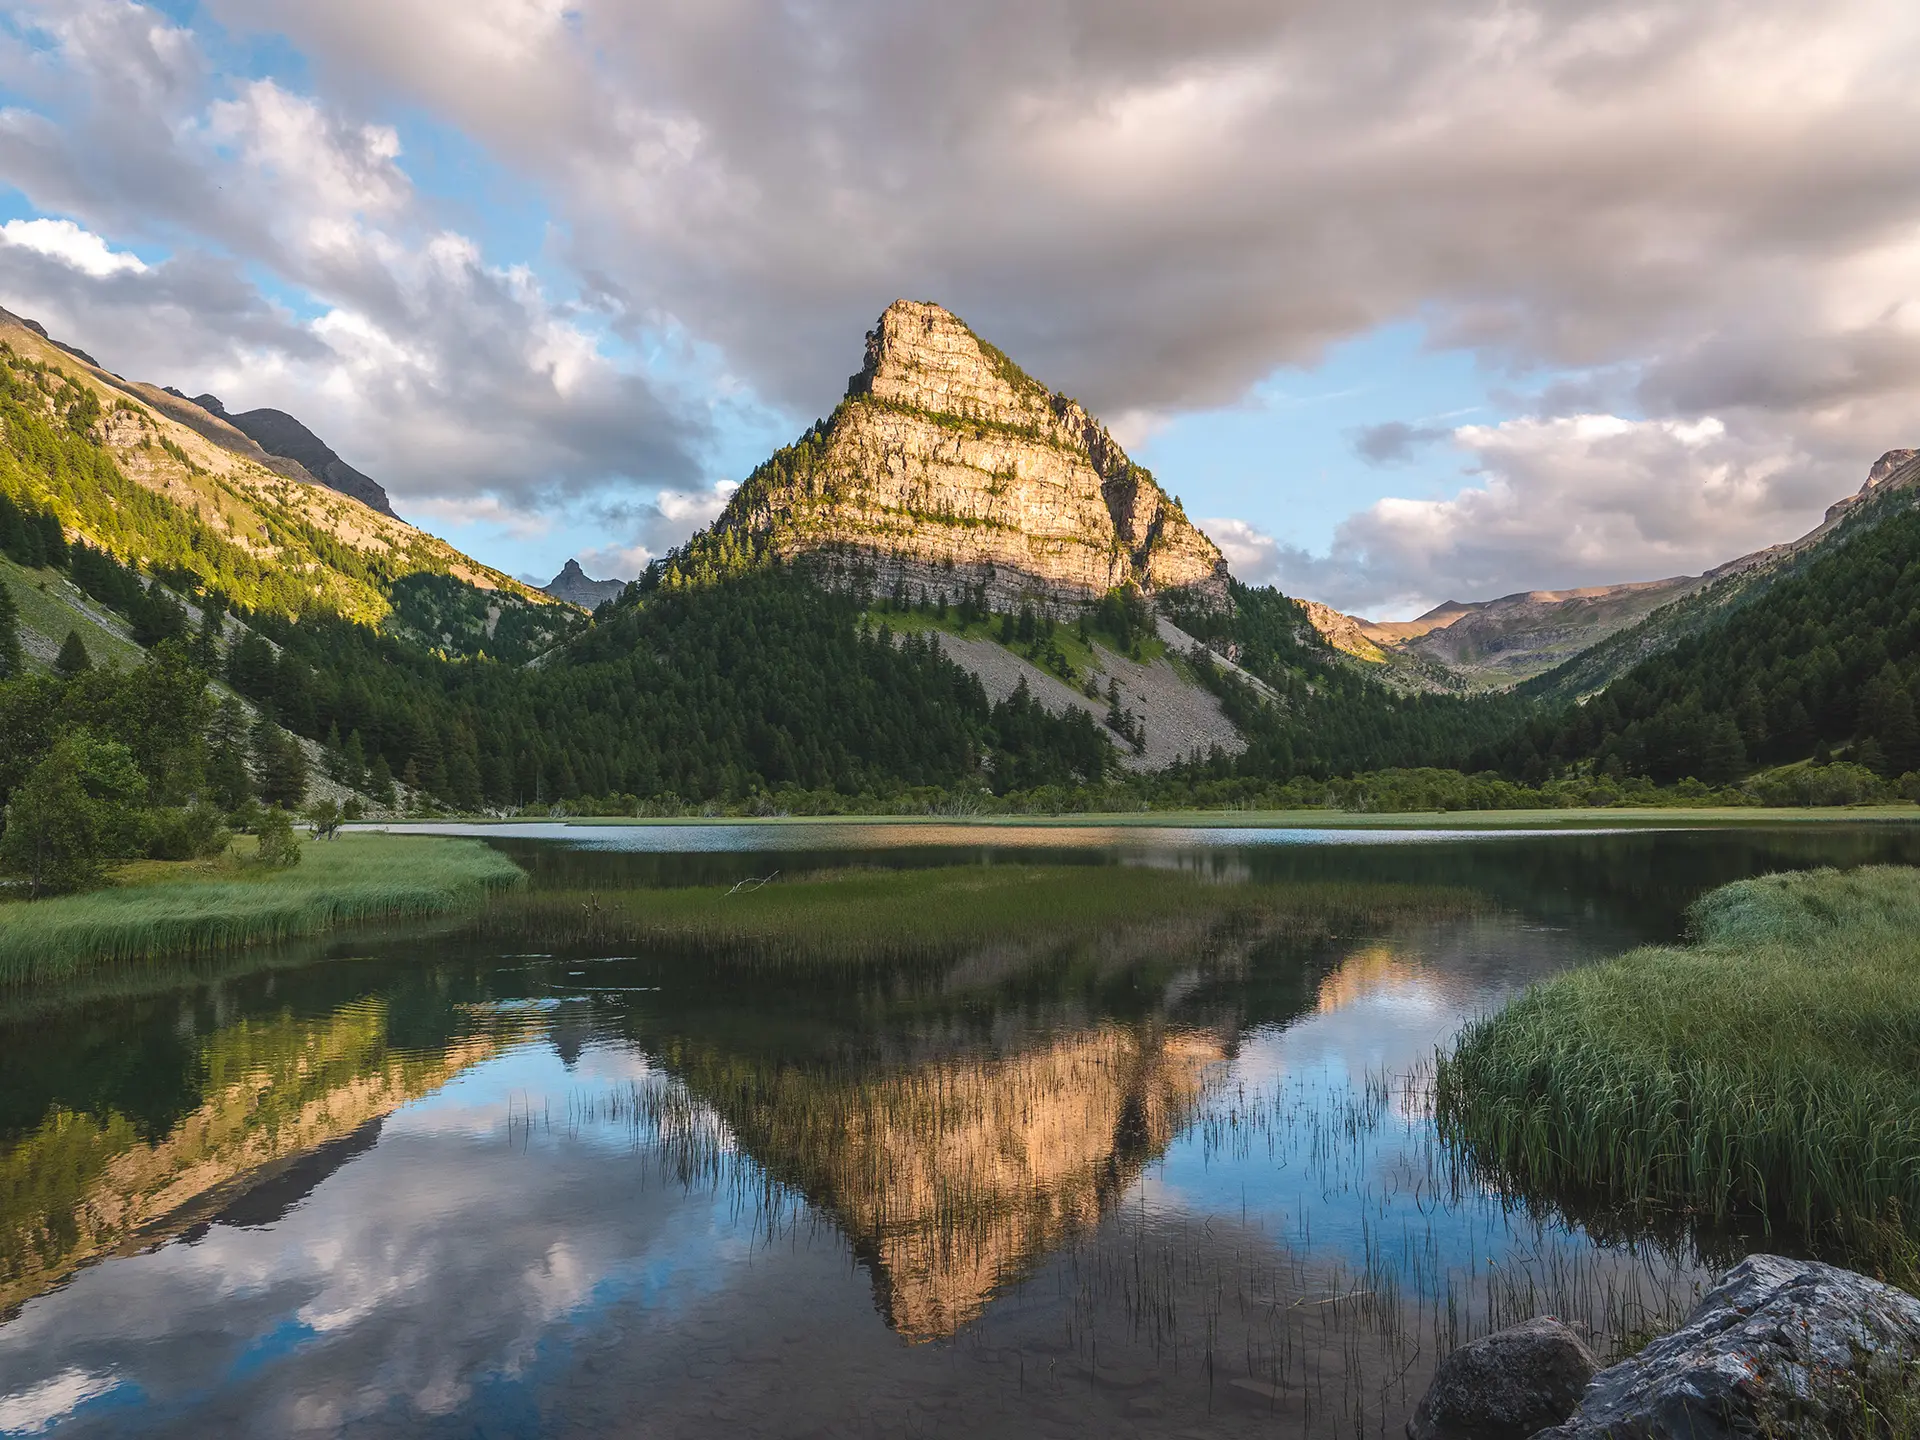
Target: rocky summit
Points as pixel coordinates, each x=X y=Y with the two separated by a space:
x=947 y=468
x=576 y=587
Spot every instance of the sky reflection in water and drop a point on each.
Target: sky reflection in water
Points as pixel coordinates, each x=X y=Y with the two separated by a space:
x=433 y=1188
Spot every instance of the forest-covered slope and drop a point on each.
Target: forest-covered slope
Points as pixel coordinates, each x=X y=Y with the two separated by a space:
x=1824 y=660
x=163 y=484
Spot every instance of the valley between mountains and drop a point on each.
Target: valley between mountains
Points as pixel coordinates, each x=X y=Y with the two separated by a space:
x=956 y=593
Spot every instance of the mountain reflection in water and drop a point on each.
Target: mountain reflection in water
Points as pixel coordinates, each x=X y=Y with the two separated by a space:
x=952 y=1177
x=1130 y=1183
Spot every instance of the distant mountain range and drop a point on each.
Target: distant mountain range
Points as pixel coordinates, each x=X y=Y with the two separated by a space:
x=1571 y=634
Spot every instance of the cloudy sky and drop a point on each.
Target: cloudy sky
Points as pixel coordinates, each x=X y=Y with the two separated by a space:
x=1415 y=301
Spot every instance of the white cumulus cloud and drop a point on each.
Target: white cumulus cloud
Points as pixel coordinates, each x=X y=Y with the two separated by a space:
x=1569 y=501
x=66 y=242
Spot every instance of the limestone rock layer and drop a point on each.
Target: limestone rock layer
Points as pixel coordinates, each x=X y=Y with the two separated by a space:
x=947 y=468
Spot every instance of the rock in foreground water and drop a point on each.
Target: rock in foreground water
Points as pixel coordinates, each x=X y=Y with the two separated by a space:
x=1507 y=1386
x=1779 y=1347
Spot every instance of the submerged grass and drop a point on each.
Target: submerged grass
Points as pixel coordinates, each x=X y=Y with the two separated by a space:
x=1769 y=1072
x=869 y=915
x=183 y=911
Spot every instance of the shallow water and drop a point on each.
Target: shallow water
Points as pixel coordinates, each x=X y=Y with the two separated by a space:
x=1157 y=1183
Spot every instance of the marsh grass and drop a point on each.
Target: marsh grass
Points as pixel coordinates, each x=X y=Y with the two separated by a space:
x=866 y=916
x=1768 y=1074
x=193 y=911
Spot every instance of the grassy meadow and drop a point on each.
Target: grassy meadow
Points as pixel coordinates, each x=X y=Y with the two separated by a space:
x=167 y=909
x=862 y=915
x=1767 y=1073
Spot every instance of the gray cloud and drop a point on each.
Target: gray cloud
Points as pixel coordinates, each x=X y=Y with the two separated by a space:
x=654 y=527
x=1154 y=210
x=1393 y=442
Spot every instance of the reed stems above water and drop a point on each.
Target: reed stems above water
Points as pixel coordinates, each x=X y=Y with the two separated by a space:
x=1769 y=1072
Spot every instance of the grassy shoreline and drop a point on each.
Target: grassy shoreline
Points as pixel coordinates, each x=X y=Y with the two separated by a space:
x=170 y=911
x=1767 y=1074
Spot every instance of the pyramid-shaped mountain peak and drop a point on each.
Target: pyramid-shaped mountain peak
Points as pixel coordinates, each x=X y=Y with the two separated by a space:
x=947 y=468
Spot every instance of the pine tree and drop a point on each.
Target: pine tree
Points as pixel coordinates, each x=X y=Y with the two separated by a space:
x=279 y=765
x=355 y=756
x=9 y=634
x=1724 y=756
x=73 y=658
x=380 y=780
x=1900 y=734
x=206 y=640
x=227 y=778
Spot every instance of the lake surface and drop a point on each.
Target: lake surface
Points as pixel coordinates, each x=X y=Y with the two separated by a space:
x=1153 y=1183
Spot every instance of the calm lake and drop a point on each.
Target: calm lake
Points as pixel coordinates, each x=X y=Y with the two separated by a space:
x=1155 y=1179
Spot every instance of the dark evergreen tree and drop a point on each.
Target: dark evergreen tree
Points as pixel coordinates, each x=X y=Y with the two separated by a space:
x=227 y=778
x=279 y=766
x=73 y=658
x=10 y=658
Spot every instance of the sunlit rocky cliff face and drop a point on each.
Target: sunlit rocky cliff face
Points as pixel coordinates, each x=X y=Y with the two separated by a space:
x=947 y=468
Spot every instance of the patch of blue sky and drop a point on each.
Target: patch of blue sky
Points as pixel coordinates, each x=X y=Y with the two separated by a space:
x=102 y=1396
x=238 y=55
x=299 y=302
x=535 y=557
x=16 y=204
x=1285 y=459
x=500 y=210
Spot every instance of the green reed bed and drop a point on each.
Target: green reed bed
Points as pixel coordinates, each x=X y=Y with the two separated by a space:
x=865 y=915
x=1770 y=1071
x=350 y=878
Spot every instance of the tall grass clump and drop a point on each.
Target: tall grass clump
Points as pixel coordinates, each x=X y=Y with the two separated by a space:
x=352 y=878
x=1769 y=1072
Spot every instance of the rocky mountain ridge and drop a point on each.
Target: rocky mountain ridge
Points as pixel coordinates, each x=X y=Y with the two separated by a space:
x=1893 y=486
x=576 y=587
x=948 y=469
x=278 y=433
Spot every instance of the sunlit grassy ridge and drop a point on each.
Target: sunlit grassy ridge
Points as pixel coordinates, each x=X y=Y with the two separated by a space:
x=1770 y=1070
x=354 y=877
x=862 y=915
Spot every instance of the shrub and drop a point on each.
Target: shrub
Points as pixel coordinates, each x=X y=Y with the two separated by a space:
x=279 y=847
x=76 y=811
x=188 y=833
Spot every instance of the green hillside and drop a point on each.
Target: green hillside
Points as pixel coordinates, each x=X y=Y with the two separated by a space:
x=1823 y=662
x=1326 y=715
x=198 y=504
x=50 y=606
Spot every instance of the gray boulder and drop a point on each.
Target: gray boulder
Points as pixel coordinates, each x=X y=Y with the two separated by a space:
x=1508 y=1386
x=1778 y=1347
